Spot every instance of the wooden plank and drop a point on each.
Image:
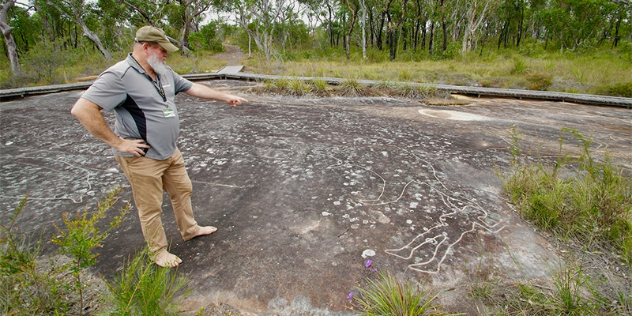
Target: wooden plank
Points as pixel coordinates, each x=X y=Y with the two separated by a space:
x=231 y=72
x=231 y=69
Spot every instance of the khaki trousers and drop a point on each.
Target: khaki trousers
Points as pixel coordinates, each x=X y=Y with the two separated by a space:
x=148 y=178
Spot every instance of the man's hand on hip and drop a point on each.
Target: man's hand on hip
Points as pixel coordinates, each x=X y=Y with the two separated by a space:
x=134 y=147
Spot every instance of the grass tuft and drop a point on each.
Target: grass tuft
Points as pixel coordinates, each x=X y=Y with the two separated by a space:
x=144 y=288
x=352 y=88
x=388 y=296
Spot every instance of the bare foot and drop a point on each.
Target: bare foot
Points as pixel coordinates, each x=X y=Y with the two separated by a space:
x=205 y=230
x=166 y=260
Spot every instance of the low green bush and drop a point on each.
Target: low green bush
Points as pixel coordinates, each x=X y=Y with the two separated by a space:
x=539 y=81
x=623 y=89
x=29 y=287
x=24 y=291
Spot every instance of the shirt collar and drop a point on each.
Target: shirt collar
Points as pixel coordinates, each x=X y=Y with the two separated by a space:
x=132 y=62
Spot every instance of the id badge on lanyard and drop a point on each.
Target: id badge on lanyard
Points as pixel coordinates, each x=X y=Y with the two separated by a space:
x=169 y=112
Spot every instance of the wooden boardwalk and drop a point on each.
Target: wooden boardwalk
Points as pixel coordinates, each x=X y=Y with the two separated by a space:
x=234 y=72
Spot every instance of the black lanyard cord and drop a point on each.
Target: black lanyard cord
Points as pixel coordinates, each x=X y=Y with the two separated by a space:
x=157 y=84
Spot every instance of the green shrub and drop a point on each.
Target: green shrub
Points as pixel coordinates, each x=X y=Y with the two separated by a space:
x=24 y=290
x=539 y=81
x=414 y=91
x=82 y=236
x=404 y=75
x=282 y=84
x=519 y=66
x=623 y=89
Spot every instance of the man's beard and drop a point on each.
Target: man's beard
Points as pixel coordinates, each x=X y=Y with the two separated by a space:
x=158 y=65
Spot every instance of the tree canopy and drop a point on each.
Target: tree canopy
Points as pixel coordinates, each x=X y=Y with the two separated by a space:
x=429 y=28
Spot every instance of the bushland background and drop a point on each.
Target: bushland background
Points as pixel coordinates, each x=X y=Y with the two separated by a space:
x=582 y=46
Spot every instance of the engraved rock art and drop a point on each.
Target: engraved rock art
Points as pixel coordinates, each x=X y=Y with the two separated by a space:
x=430 y=248
x=438 y=240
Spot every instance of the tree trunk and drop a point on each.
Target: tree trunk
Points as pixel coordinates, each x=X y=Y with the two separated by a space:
x=6 y=29
x=95 y=39
x=398 y=30
x=616 y=39
x=331 y=26
x=380 y=31
x=363 y=5
x=371 y=29
x=417 y=26
x=354 y=14
x=444 y=27
x=423 y=35
x=431 y=37
x=520 y=24
x=49 y=30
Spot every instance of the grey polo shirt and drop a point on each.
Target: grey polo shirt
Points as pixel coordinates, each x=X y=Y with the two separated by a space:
x=143 y=110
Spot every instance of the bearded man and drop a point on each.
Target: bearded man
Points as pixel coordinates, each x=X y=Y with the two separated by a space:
x=141 y=90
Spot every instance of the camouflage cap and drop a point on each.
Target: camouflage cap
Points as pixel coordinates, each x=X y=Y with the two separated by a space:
x=156 y=35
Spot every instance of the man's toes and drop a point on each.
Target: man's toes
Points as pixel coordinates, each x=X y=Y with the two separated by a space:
x=206 y=230
x=167 y=260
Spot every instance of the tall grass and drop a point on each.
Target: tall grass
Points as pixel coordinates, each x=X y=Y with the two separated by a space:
x=597 y=72
x=579 y=199
x=574 y=197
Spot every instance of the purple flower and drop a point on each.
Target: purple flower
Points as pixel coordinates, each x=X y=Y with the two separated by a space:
x=368 y=263
x=374 y=270
x=350 y=295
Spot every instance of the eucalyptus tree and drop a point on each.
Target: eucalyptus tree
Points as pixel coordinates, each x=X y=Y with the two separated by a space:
x=328 y=15
x=44 y=15
x=23 y=21
x=624 y=12
x=353 y=6
x=169 y=15
x=314 y=13
x=576 y=22
x=395 y=33
x=475 y=13
x=78 y=12
x=192 y=11
x=363 y=25
x=419 y=24
x=6 y=29
x=141 y=12
x=258 y=18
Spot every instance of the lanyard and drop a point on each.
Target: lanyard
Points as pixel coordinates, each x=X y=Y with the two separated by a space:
x=157 y=84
